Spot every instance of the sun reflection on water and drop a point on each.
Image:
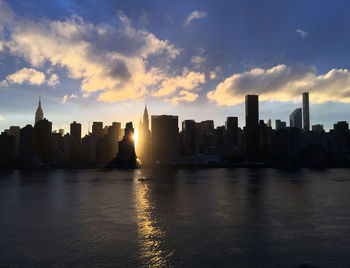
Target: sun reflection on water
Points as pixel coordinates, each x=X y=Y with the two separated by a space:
x=151 y=236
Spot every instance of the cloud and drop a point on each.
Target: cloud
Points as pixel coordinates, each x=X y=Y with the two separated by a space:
x=189 y=81
x=183 y=96
x=1 y=117
x=213 y=74
x=109 y=59
x=284 y=83
x=197 y=61
x=25 y=75
x=66 y=97
x=195 y=15
x=302 y=33
x=53 y=80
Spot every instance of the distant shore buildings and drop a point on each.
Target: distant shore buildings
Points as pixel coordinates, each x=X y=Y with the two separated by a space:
x=161 y=142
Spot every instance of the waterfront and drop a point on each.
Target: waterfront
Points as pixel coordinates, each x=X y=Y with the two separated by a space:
x=177 y=217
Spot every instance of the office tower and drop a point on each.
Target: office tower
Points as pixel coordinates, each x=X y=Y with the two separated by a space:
x=88 y=149
x=144 y=139
x=252 y=125
x=295 y=119
x=220 y=138
x=97 y=129
x=189 y=138
x=165 y=137
x=75 y=146
x=7 y=149
x=126 y=157
x=26 y=145
x=269 y=123
x=14 y=132
x=341 y=135
x=56 y=142
x=318 y=128
x=113 y=136
x=39 y=115
x=231 y=134
x=306 y=112
x=61 y=131
x=42 y=139
x=206 y=137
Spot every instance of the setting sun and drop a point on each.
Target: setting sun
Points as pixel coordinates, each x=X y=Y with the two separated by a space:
x=136 y=136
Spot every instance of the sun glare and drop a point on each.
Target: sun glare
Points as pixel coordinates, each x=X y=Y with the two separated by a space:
x=136 y=136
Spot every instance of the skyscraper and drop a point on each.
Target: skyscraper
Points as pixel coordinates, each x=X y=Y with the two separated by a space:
x=295 y=119
x=306 y=112
x=42 y=139
x=75 y=147
x=165 y=137
x=231 y=134
x=97 y=129
x=39 y=115
x=144 y=138
x=126 y=157
x=252 y=125
x=189 y=138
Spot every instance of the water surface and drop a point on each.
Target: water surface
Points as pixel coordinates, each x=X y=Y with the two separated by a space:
x=178 y=217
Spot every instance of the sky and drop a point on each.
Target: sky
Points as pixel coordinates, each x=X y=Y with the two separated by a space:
x=103 y=60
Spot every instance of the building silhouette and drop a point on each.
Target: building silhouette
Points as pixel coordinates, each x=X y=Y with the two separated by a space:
x=126 y=157
x=42 y=140
x=97 y=129
x=26 y=144
x=306 y=112
x=75 y=141
x=189 y=138
x=39 y=114
x=295 y=119
x=232 y=135
x=206 y=137
x=165 y=137
x=318 y=128
x=252 y=127
x=144 y=138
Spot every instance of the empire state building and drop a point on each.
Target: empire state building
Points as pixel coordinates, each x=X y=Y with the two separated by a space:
x=39 y=115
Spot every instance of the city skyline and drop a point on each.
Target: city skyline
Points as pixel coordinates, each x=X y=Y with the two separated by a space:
x=191 y=60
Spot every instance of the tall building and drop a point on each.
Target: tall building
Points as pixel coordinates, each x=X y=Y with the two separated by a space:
x=165 y=137
x=295 y=119
x=126 y=157
x=252 y=125
x=189 y=138
x=206 y=137
x=97 y=129
x=39 y=115
x=144 y=138
x=42 y=139
x=75 y=142
x=231 y=134
x=306 y=112
x=15 y=132
x=26 y=144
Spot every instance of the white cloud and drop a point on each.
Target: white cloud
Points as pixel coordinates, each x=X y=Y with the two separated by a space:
x=213 y=74
x=183 y=96
x=197 y=59
x=53 y=80
x=107 y=59
x=25 y=75
x=189 y=81
x=283 y=83
x=2 y=118
x=195 y=15
x=66 y=97
x=302 y=33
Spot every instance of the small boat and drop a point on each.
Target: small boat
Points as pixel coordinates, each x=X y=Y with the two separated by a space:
x=142 y=179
